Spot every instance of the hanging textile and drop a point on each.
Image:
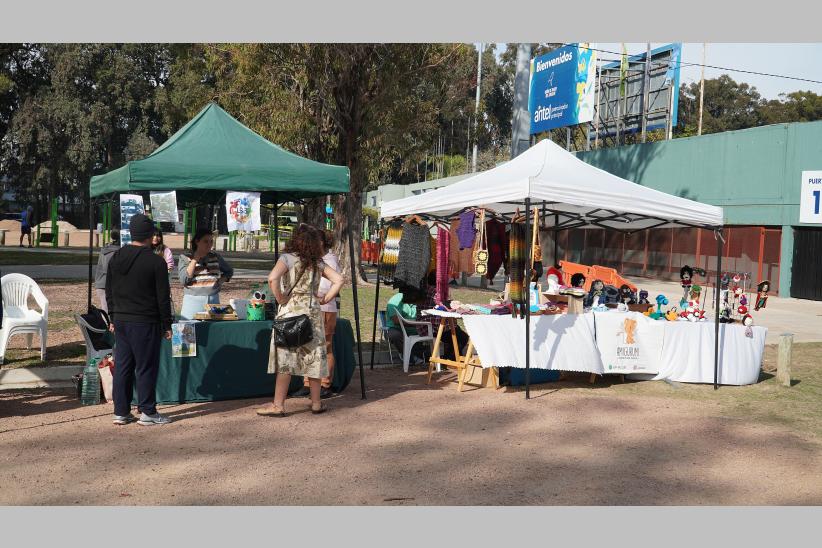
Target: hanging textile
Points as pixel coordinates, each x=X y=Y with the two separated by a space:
x=466 y=231
x=516 y=269
x=462 y=260
x=432 y=264
x=443 y=263
x=497 y=247
x=391 y=251
x=414 y=256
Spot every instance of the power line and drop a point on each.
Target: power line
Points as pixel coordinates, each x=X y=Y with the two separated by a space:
x=685 y=64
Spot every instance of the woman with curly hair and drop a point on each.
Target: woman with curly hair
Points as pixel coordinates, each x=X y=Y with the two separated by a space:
x=294 y=282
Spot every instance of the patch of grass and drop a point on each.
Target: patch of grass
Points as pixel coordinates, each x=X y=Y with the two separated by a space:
x=798 y=407
x=73 y=353
x=43 y=258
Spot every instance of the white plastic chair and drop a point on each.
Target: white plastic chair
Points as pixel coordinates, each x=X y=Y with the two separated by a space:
x=410 y=340
x=384 y=334
x=93 y=351
x=18 y=319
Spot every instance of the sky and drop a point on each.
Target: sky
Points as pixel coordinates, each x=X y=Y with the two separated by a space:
x=799 y=60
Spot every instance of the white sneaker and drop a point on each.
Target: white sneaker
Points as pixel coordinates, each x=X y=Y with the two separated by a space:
x=150 y=420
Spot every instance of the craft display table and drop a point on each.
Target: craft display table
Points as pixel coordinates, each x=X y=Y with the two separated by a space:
x=462 y=363
x=232 y=362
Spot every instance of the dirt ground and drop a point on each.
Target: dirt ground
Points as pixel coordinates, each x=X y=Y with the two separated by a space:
x=409 y=444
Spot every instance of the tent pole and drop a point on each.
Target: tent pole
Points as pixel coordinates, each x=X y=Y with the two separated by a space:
x=528 y=268
x=354 y=288
x=718 y=234
x=376 y=303
x=276 y=231
x=90 y=246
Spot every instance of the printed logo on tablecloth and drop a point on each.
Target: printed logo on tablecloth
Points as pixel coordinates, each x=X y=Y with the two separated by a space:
x=628 y=343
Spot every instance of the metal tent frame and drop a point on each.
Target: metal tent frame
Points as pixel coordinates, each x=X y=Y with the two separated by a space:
x=594 y=218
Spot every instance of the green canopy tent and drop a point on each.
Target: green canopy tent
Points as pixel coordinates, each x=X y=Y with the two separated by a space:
x=215 y=153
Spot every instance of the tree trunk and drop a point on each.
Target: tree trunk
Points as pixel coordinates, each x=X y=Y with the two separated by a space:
x=348 y=212
x=313 y=212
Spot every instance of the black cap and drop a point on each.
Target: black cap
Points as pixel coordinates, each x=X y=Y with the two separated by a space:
x=141 y=227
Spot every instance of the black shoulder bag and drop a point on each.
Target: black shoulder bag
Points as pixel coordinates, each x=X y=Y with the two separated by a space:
x=295 y=331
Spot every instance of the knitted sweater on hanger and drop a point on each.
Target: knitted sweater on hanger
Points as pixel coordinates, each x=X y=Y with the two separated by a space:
x=466 y=232
x=414 y=256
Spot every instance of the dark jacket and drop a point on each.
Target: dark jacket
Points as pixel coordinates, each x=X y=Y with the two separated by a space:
x=102 y=264
x=137 y=288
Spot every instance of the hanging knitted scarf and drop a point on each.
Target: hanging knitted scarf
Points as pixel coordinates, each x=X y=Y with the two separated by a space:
x=391 y=250
x=517 y=258
x=466 y=231
x=414 y=256
x=443 y=261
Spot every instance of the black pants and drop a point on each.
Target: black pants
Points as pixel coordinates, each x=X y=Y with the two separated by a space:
x=447 y=345
x=136 y=351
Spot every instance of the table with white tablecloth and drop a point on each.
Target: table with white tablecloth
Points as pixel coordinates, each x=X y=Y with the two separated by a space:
x=620 y=342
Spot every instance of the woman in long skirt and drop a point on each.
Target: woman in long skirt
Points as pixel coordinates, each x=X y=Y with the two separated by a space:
x=294 y=282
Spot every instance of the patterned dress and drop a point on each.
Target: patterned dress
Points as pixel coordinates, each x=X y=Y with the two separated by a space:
x=310 y=359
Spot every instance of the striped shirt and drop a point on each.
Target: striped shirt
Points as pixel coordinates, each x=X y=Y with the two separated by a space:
x=206 y=279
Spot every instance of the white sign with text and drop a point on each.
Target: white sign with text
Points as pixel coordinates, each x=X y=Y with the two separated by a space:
x=810 y=200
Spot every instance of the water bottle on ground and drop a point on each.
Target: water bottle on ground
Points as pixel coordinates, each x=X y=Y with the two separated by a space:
x=90 y=392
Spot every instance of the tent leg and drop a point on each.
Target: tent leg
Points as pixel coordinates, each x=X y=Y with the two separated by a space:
x=528 y=268
x=376 y=306
x=356 y=300
x=90 y=247
x=716 y=307
x=276 y=231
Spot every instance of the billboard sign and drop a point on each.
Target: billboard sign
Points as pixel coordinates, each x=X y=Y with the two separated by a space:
x=810 y=201
x=621 y=91
x=562 y=88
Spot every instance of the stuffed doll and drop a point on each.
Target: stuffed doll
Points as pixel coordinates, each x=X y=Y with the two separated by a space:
x=626 y=295
x=576 y=293
x=661 y=300
x=696 y=292
x=747 y=321
x=762 y=289
x=686 y=274
x=596 y=296
x=643 y=297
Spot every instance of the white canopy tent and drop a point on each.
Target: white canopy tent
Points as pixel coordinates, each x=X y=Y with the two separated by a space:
x=573 y=194
x=569 y=194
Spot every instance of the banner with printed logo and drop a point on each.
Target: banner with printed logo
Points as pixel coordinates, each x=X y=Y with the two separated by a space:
x=164 y=206
x=130 y=205
x=242 y=211
x=562 y=88
x=629 y=342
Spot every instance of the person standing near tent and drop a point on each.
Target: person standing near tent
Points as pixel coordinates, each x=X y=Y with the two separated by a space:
x=139 y=301
x=26 y=222
x=330 y=311
x=202 y=273
x=162 y=249
x=102 y=267
x=302 y=267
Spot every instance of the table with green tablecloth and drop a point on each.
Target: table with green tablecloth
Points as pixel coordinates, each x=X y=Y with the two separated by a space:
x=232 y=362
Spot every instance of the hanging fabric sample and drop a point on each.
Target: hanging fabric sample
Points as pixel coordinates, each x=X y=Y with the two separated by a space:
x=391 y=249
x=462 y=259
x=414 y=256
x=516 y=268
x=466 y=231
x=497 y=246
x=242 y=211
x=432 y=264
x=443 y=264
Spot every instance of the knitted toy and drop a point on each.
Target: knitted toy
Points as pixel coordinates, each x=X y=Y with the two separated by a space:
x=686 y=274
x=643 y=297
x=762 y=289
x=626 y=295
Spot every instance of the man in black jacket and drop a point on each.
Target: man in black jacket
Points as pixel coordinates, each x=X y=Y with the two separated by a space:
x=139 y=302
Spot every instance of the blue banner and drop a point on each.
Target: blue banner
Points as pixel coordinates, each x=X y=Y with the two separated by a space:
x=562 y=88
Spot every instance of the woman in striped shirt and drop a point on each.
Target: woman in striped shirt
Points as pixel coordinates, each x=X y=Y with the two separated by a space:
x=202 y=273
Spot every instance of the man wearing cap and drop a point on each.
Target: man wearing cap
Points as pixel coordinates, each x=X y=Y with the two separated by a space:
x=139 y=302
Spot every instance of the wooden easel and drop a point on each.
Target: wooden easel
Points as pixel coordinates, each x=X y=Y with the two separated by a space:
x=462 y=363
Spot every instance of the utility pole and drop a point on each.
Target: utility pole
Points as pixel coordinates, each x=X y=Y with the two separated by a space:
x=646 y=83
x=476 y=106
x=520 y=119
x=701 y=89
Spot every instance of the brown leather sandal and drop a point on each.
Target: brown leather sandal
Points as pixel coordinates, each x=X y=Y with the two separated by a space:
x=271 y=410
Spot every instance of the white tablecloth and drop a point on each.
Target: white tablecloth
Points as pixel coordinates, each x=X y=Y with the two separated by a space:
x=570 y=342
x=562 y=342
x=688 y=353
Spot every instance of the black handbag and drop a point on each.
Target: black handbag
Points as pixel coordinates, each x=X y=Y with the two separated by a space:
x=295 y=331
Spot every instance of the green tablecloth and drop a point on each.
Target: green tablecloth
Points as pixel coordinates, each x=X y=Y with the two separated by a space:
x=231 y=362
